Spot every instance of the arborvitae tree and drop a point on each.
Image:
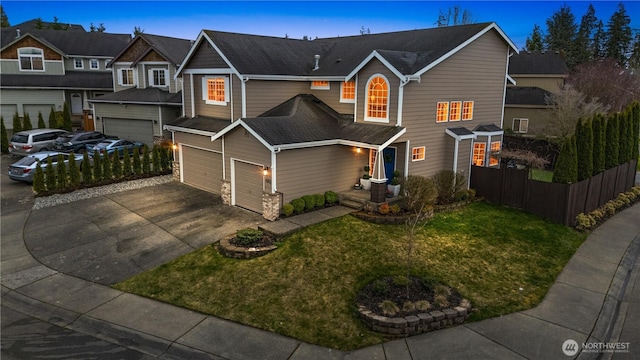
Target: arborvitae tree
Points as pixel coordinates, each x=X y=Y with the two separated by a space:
x=126 y=163
x=53 y=122
x=66 y=117
x=17 y=123
x=165 y=161
x=97 y=167
x=74 y=172
x=137 y=166
x=624 y=141
x=636 y=130
x=38 y=180
x=50 y=175
x=618 y=36
x=26 y=122
x=146 y=160
x=156 y=159
x=630 y=136
x=116 y=166
x=87 y=177
x=598 y=143
x=107 y=174
x=561 y=33
x=4 y=137
x=534 y=43
x=584 y=147
x=566 y=171
x=612 y=146
x=62 y=173
x=41 y=124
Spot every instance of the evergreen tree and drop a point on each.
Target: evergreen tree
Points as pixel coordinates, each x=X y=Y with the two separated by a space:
x=116 y=166
x=566 y=171
x=4 y=19
x=62 y=173
x=53 y=123
x=636 y=130
x=612 y=146
x=87 y=177
x=107 y=174
x=17 y=123
x=634 y=60
x=66 y=117
x=4 y=137
x=597 y=43
x=624 y=132
x=74 y=172
x=97 y=167
x=584 y=148
x=26 y=122
x=561 y=33
x=618 y=36
x=41 y=124
x=50 y=175
x=137 y=167
x=146 y=161
x=588 y=25
x=598 y=143
x=155 y=159
x=534 y=42
x=165 y=160
x=38 y=180
x=126 y=163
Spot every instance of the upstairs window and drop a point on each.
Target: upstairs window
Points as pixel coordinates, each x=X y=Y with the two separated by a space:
x=31 y=59
x=467 y=110
x=93 y=64
x=158 y=77
x=125 y=77
x=348 y=91
x=442 y=112
x=320 y=85
x=454 y=113
x=214 y=90
x=377 y=104
x=78 y=64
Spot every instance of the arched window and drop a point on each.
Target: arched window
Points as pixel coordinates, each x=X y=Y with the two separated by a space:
x=377 y=107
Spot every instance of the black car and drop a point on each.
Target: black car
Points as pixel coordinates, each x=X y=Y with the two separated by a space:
x=77 y=142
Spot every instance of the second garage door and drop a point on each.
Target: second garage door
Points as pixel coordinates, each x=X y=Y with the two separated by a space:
x=248 y=186
x=136 y=130
x=201 y=168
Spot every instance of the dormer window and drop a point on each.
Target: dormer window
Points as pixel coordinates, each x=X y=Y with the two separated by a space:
x=31 y=59
x=158 y=77
x=320 y=85
x=77 y=63
x=377 y=103
x=125 y=77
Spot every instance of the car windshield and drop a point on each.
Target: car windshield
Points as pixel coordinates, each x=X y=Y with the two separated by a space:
x=19 y=138
x=26 y=161
x=103 y=144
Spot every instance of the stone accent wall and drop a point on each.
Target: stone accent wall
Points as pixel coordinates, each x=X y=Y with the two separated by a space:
x=229 y=250
x=176 y=170
x=397 y=327
x=225 y=192
x=271 y=206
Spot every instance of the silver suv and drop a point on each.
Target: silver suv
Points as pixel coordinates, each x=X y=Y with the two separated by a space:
x=31 y=141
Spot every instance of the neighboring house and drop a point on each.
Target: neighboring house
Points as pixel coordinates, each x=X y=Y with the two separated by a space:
x=267 y=120
x=47 y=68
x=147 y=94
x=537 y=75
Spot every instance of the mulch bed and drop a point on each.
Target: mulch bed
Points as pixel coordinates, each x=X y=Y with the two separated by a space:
x=265 y=241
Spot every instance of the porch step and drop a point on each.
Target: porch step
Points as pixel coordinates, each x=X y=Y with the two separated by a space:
x=354 y=204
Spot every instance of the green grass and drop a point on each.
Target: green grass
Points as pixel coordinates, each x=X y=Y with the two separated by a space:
x=306 y=288
x=541 y=175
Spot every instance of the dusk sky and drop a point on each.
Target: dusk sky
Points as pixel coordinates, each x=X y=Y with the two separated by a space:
x=185 y=19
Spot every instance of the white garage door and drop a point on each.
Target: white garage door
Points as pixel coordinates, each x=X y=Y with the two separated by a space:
x=201 y=168
x=248 y=186
x=33 y=111
x=7 y=111
x=130 y=129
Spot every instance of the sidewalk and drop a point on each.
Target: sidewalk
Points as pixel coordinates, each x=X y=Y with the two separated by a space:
x=595 y=299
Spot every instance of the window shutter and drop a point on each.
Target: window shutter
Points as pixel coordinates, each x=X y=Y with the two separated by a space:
x=204 y=89
x=150 y=77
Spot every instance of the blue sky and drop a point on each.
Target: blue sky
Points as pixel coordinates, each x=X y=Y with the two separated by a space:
x=185 y=19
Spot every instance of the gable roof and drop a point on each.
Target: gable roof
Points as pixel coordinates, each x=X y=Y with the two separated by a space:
x=172 y=49
x=537 y=63
x=141 y=96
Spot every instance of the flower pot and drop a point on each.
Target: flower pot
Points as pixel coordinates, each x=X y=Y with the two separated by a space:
x=394 y=189
x=366 y=184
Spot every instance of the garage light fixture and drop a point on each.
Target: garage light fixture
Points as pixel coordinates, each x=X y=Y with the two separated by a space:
x=265 y=171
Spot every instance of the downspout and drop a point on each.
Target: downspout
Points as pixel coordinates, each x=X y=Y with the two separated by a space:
x=193 y=101
x=406 y=159
x=231 y=94
x=487 y=154
x=244 y=96
x=159 y=120
x=403 y=82
x=470 y=164
x=455 y=155
x=182 y=95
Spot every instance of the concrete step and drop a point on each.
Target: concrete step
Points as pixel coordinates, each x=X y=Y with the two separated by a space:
x=350 y=203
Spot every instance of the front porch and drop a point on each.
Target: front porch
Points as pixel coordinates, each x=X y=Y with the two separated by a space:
x=361 y=200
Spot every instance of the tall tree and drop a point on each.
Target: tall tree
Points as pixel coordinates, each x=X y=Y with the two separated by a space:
x=566 y=171
x=597 y=43
x=584 y=148
x=599 y=127
x=4 y=19
x=634 y=60
x=588 y=25
x=535 y=42
x=619 y=36
x=612 y=142
x=455 y=16
x=561 y=33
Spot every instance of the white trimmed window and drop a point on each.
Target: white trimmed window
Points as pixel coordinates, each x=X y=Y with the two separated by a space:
x=442 y=111
x=126 y=77
x=31 y=59
x=377 y=103
x=158 y=77
x=467 y=110
x=93 y=64
x=479 y=153
x=78 y=63
x=495 y=150
x=214 y=90
x=320 y=85
x=454 y=112
x=348 y=91
x=417 y=153
x=520 y=125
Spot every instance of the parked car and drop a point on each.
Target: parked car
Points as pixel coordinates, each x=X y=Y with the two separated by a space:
x=110 y=146
x=77 y=142
x=25 y=168
x=32 y=141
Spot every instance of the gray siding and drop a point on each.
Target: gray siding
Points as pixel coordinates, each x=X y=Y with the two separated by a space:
x=130 y=111
x=376 y=67
x=217 y=111
x=205 y=57
x=539 y=119
x=198 y=141
x=552 y=84
x=51 y=67
x=241 y=145
x=264 y=95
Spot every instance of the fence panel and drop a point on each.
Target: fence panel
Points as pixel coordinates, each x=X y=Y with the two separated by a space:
x=593 y=200
x=487 y=182
x=576 y=201
x=514 y=185
x=631 y=174
x=608 y=185
x=621 y=179
x=547 y=200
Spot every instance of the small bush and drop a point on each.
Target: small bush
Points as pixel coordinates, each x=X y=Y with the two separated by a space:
x=408 y=306
x=38 y=180
x=331 y=197
x=441 y=300
x=395 y=209
x=287 y=209
x=423 y=305
x=451 y=186
x=137 y=166
x=74 y=172
x=50 y=175
x=389 y=308
x=401 y=280
x=319 y=200
x=309 y=202
x=248 y=236
x=62 y=173
x=384 y=208
x=584 y=222
x=298 y=205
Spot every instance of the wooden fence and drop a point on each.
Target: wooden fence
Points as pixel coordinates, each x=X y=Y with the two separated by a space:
x=560 y=203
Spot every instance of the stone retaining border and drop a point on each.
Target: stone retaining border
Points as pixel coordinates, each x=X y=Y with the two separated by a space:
x=229 y=250
x=400 y=327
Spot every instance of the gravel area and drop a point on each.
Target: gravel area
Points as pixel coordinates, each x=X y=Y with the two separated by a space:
x=57 y=199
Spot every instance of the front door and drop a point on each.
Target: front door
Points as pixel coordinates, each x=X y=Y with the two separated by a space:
x=389 y=157
x=76 y=103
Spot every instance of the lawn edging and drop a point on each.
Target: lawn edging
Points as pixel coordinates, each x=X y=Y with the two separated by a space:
x=236 y=252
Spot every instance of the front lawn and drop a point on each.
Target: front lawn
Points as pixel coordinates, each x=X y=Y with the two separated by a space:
x=306 y=288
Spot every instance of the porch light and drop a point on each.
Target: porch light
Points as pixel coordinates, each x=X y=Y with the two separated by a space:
x=358 y=150
x=265 y=171
x=174 y=146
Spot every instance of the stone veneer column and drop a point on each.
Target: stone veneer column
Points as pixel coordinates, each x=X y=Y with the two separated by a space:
x=271 y=206
x=378 y=192
x=225 y=192
x=176 y=170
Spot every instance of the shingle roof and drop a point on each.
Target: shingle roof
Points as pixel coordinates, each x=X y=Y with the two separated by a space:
x=461 y=131
x=305 y=118
x=408 y=51
x=34 y=23
x=487 y=128
x=74 y=42
x=526 y=95
x=205 y=123
x=147 y=95
x=72 y=79
x=537 y=63
x=172 y=49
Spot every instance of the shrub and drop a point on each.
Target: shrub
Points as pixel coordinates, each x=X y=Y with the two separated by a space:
x=423 y=305
x=612 y=145
x=389 y=308
x=298 y=205
x=420 y=193
x=598 y=143
x=62 y=172
x=584 y=222
x=155 y=159
x=26 y=122
x=106 y=167
x=408 y=306
x=566 y=171
x=137 y=166
x=248 y=236
x=146 y=161
x=17 y=123
x=401 y=280
x=66 y=117
x=116 y=166
x=97 y=167
x=380 y=288
x=74 y=172
x=41 y=124
x=319 y=200
x=383 y=208
x=584 y=147
x=38 y=180
x=53 y=122
x=449 y=185
x=87 y=177
x=50 y=175
x=331 y=197
x=4 y=137
x=309 y=202
x=394 y=209
x=165 y=162
x=127 y=170
x=287 y=209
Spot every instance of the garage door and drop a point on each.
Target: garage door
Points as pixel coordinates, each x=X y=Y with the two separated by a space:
x=7 y=111
x=248 y=186
x=201 y=168
x=33 y=111
x=130 y=129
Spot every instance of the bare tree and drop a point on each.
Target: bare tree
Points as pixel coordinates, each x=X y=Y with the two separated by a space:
x=455 y=16
x=567 y=107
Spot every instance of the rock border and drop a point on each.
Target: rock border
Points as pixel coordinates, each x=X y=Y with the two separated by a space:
x=231 y=251
x=399 y=327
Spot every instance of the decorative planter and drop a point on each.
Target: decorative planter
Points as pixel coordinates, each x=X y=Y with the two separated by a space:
x=229 y=250
x=366 y=184
x=395 y=189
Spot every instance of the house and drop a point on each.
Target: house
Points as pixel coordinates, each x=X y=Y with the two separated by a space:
x=47 y=68
x=266 y=120
x=537 y=76
x=146 y=93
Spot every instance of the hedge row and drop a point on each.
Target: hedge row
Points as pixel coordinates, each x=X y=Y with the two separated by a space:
x=586 y=222
x=309 y=203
